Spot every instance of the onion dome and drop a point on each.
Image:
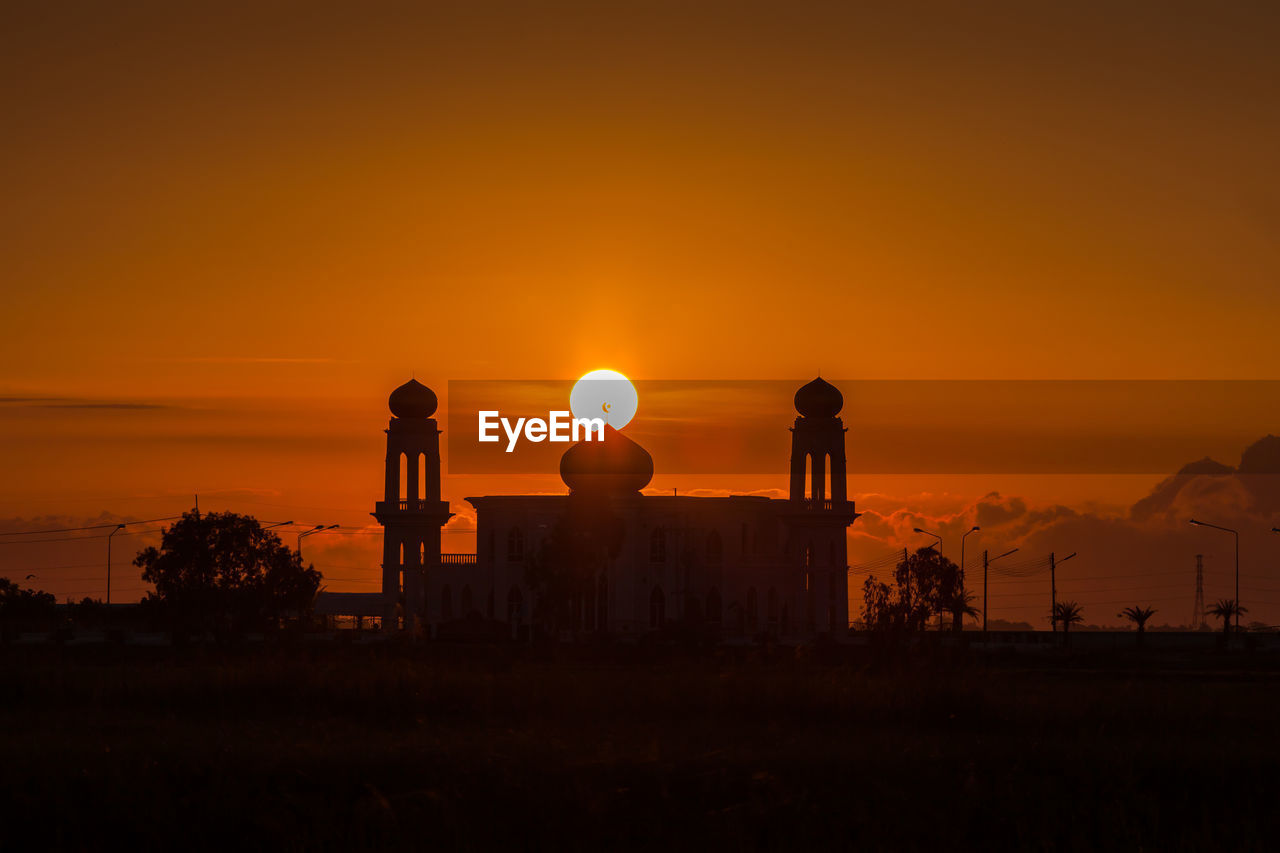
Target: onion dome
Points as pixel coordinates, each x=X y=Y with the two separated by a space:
x=616 y=465
x=819 y=399
x=412 y=400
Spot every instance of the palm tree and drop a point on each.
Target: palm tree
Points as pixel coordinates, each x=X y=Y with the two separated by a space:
x=1138 y=616
x=1225 y=609
x=1068 y=613
x=960 y=605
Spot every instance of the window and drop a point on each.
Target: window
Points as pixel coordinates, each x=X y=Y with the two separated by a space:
x=658 y=545
x=403 y=483
x=715 y=549
x=657 y=608
x=515 y=544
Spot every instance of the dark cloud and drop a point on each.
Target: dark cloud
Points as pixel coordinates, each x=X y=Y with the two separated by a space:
x=78 y=403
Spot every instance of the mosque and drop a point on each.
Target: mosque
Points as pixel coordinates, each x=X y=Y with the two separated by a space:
x=739 y=567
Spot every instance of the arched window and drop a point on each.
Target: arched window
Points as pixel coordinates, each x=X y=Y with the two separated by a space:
x=715 y=548
x=657 y=608
x=658 y=545
x=515 y=606
x=422 y=477
x=753 y=612
x=515 y=544
x=466 y=601
x=402 y=553
x=772 y=609
x=446 y=604
x=403 y=483
x=808 y=475
x=713 y=607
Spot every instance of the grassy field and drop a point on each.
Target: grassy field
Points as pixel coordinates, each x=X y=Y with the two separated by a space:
x=474 y=748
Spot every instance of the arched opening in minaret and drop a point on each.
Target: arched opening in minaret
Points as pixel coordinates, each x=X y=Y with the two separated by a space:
x=403 y=482
x=808 y=476
x=422 y=478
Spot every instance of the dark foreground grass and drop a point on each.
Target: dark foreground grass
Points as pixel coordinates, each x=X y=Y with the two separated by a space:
x=475 y=749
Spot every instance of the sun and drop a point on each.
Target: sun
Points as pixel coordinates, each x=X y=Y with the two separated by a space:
x=604 y=394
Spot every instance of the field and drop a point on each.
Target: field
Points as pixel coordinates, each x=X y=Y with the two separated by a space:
x=476 y=748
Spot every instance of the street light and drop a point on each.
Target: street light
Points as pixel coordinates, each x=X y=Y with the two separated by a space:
x=985 y=564
x=114 y=531
x=934 y=535
x=973 y=529
x=315 y=529
x=277 y=524
x=1053 y=587
x=1236 y=534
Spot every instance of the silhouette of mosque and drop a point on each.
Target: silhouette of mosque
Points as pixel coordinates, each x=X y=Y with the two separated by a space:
x=737 y=566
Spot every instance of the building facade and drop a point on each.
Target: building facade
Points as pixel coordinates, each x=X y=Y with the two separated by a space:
x=738 y=567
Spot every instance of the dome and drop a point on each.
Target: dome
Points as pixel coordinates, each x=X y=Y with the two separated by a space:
x=412 y=400
x=616 y=465
x=819 y=399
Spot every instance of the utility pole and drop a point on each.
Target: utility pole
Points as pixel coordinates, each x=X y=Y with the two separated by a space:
x=984 y=598
x=906 y=565
x=1053 y=593
x=1053 y=587
x=985 y=563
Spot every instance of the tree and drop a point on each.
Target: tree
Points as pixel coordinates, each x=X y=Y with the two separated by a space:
x=925 y=584
x=960 y=604
x=222 y=572
x=18 y=604
x=1068 y=613
x=1226 y=609
x=1138 y=616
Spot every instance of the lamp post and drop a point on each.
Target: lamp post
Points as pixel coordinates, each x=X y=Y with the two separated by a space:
x=277 y=524
x=1053 y=587
x=985 y=563
x=973 y=529
x=316 y=529
x=114 y=531
x=928 y=533
x=1236 y=534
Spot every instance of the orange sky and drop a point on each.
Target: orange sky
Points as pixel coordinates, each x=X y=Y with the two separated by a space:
x=257 y=220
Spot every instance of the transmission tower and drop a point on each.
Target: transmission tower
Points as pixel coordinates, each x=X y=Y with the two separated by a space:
x=1197 y=618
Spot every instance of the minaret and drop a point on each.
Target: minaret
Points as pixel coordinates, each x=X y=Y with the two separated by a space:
x=411 y=512
x=820 y=510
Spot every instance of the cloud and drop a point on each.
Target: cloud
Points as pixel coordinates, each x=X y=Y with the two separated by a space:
x=79 y=403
